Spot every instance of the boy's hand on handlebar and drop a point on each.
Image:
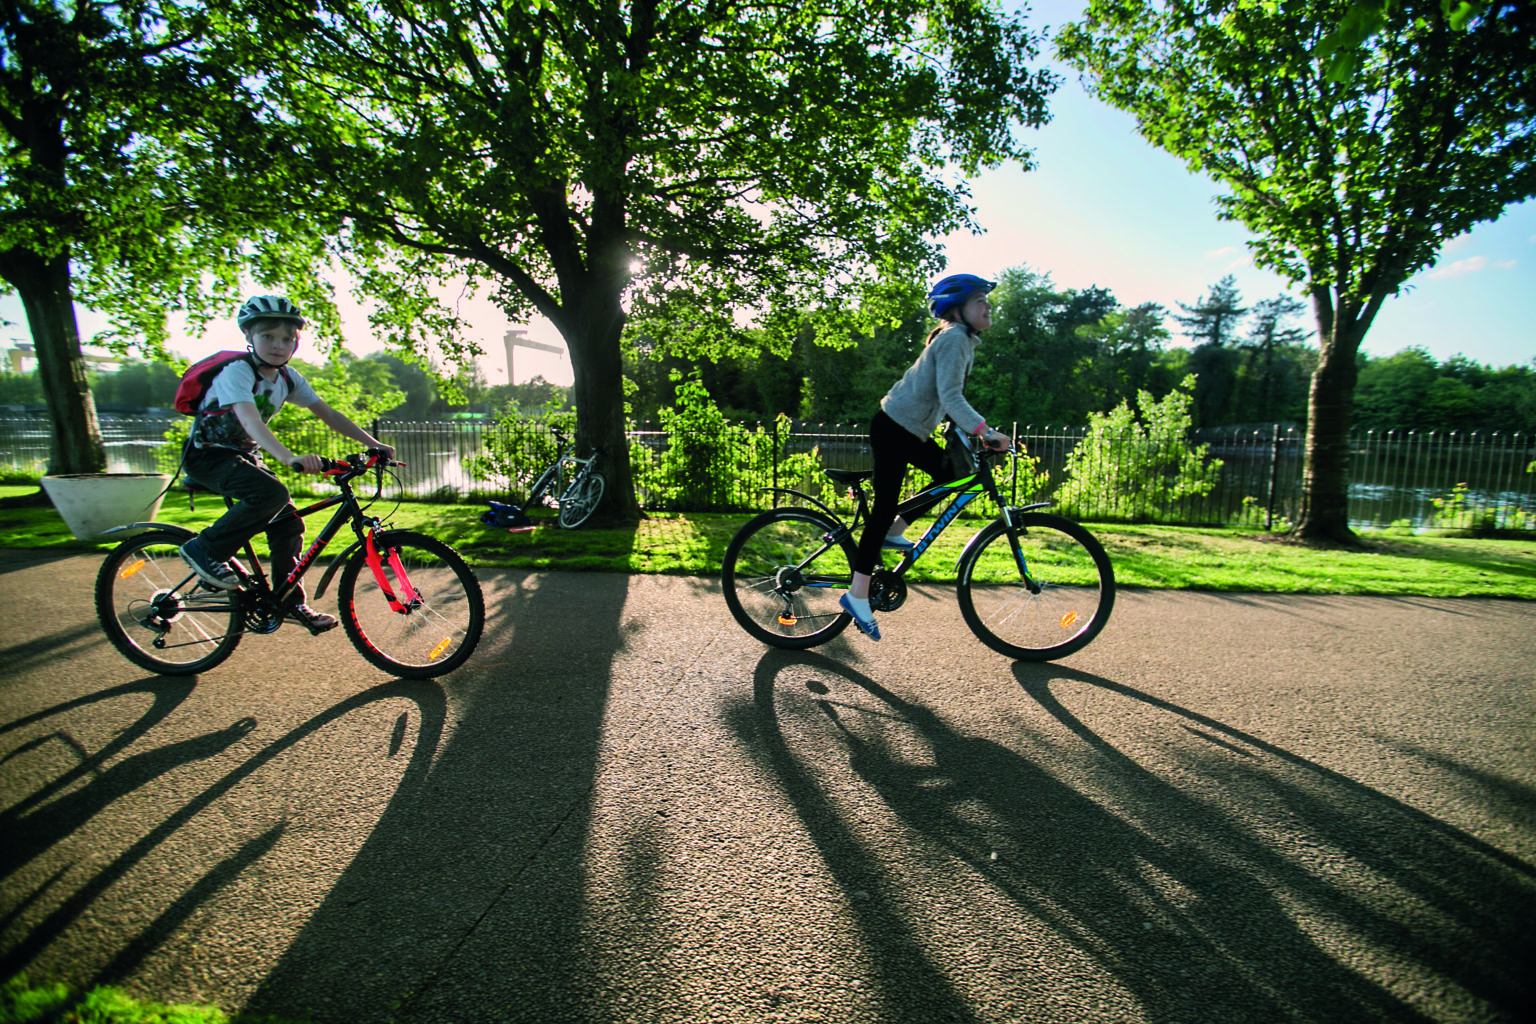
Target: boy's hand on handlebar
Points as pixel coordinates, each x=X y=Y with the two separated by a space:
x=998 y=442
x=308 y=464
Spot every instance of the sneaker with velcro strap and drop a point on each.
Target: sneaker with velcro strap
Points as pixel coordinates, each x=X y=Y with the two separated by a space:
x=212 y=572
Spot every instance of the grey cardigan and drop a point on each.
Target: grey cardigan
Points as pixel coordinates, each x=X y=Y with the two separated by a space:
x=931 y=389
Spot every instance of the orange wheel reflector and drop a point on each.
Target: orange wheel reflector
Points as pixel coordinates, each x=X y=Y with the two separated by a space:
x=1069 y=620
x=787 y=619
x=437 y=651
x=129 y=570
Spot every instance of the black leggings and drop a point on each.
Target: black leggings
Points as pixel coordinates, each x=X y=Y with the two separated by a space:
x=894 y=448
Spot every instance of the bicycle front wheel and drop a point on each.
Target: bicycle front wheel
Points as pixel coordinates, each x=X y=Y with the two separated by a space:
x=1045 y=601
x=428 y=615
x=581 y=500
x=783 y=574
x=158 y=614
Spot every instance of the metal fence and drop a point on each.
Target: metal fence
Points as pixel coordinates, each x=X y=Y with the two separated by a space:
x=1407 y=479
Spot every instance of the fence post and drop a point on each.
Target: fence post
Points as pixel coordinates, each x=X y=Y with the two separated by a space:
x=1013 y=468
x=776 y=461
x=1274 y=480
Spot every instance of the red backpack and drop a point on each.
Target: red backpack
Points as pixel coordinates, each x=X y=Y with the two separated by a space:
x=194 y=383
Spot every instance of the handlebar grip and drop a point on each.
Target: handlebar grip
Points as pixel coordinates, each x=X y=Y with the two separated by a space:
x=297 y=465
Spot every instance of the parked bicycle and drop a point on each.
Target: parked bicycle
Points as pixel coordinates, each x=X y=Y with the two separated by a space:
x=580 y=491
x=408 y=602
x=1032 y=585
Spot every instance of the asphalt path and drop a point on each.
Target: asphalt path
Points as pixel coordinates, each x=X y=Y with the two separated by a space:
x=1228 y=808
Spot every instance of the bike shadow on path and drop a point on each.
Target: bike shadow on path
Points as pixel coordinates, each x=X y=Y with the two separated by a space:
x=264 y=883
x=85 y=899
x=1209 y=875
x=511 y=779
x=1330 y=875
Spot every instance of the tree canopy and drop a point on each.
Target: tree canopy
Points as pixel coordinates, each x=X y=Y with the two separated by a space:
x=1351 y=183
x=684 y=167
x=113 y=190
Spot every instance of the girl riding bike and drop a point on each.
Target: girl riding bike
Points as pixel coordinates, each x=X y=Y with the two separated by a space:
x=900 y=435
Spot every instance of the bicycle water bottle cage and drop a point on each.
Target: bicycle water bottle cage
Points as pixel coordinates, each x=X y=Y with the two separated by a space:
x=507 y=517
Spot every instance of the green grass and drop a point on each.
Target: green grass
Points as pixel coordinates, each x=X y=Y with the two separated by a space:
x=1143 y=556
x=25 y=1003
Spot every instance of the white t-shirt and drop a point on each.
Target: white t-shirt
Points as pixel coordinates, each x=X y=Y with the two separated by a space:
x=217 y=426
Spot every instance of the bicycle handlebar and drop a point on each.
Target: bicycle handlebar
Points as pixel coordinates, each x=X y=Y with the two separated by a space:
x=353 y=465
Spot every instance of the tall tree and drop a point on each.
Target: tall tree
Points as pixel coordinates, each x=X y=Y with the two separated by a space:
x=1351 y=185
x=107 y=120
x=599 y=161
x=1214 y=318
x=1270 y=336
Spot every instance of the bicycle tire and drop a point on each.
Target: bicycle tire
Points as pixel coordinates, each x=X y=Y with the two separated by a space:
x=1058 y=610
x=581 y=499
x=436 y=632
x=144 y=594
x=768 y=587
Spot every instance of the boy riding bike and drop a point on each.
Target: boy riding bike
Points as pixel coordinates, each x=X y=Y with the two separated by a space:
x=224 y=452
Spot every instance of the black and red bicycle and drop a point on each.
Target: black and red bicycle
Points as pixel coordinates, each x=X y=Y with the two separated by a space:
x=408 y=602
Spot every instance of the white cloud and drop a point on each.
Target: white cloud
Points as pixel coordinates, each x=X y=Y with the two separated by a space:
x=1460 y=268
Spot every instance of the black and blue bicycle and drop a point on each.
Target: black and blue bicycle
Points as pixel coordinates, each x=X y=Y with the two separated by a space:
x=1032 y=585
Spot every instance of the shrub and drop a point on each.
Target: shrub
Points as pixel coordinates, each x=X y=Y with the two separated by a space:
x=1130 y=470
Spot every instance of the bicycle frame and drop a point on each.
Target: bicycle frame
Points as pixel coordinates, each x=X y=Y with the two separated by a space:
x=965 y=490
x=554 y=481
x=351 y=511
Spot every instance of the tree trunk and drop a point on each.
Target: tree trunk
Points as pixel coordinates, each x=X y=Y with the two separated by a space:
x=597 y=364
x=1325 y=474
x=44 y=286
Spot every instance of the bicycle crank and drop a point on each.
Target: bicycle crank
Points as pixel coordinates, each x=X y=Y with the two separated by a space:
x=887 y=591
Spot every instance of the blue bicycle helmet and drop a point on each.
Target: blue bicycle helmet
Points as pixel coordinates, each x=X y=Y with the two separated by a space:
x=954 y=290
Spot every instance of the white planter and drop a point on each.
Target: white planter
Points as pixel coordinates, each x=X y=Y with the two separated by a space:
x=92 y=503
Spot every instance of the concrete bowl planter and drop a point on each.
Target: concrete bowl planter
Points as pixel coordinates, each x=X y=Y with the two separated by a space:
x=92 y=503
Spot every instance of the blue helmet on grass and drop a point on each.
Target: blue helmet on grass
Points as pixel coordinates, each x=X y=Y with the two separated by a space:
x=953 y=291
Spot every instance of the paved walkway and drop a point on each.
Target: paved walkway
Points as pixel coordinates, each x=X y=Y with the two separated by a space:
x=1228 y=808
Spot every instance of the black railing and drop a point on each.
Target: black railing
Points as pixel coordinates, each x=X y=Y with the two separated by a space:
x=1408 y=479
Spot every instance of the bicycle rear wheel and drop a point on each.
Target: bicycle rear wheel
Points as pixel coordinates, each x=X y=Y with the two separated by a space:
x=783 y=574
x=1053 y=605
x=431 y=617
x=158 y=614
x=581 y=499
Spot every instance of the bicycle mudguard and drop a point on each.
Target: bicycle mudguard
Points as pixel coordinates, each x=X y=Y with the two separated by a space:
x=375 y=565
x=335 y=566
x=803 y=497
x=1010 y=513
x=142 y=527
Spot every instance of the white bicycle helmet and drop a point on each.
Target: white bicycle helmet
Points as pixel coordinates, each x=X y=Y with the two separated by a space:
x=264 y=307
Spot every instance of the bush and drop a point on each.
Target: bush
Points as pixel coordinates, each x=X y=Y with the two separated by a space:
x=708 y=463
x=1125 y=469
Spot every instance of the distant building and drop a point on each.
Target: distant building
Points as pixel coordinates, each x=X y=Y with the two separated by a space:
x=22 y=358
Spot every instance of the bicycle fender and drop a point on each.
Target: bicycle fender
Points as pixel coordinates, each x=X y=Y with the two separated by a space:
x=336 y=564
x=140 y=527
x=970 y=544
x=803 y=497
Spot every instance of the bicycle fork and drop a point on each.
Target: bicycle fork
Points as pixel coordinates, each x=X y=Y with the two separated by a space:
x=406 y=599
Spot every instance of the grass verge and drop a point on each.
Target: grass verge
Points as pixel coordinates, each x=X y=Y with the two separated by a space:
x=24 y=1003
x=1144 y=556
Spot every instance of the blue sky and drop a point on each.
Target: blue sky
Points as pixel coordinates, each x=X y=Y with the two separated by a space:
x=1104 y=208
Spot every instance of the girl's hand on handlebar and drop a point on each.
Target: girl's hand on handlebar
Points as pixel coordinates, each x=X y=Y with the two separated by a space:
x=998 y=442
